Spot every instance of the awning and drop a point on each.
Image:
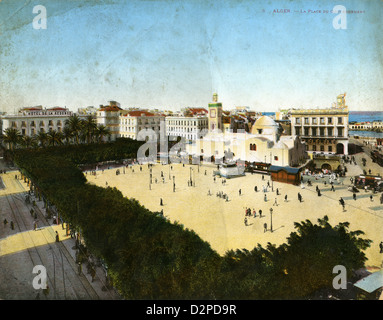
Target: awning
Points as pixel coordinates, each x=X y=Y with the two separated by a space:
x=371 y=283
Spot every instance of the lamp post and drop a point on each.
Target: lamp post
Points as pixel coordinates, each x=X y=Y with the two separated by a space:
x=271 y=219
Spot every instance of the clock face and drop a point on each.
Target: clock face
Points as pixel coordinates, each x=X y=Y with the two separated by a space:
x=212 y=113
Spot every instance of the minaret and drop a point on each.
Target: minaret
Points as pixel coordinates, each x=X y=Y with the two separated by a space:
x=215 y=114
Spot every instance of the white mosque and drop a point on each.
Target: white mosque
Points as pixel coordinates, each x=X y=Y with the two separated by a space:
x=263 y=144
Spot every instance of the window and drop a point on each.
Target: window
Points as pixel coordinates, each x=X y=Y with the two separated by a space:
x=298 y=131
x=306 y=131
x=313 y=132
x=321 y=120
x=253 y=147
x=329 y=132
x=340 y=120
x=315 y=120
x=276 y=158
x=329 y=120
x=298 y=120
x=321 y=132
x=340 y=132
x=322 y=148
x=306 y=120
x=314 y=147
x=329 y=148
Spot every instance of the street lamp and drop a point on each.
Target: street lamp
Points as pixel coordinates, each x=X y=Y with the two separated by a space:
x=271 y=219
x=191 y=181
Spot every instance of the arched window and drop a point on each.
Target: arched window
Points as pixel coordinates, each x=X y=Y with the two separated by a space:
x=253 y=147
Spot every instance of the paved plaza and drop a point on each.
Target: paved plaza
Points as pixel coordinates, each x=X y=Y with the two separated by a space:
x=221 y=222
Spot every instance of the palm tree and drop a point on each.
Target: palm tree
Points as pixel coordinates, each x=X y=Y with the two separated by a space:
x=28 y=142
x=54 y=137
x=42 y=138
x=67 y=134
x=12 y=137
x=74 y=123
x=101 y=132
x=89 y=126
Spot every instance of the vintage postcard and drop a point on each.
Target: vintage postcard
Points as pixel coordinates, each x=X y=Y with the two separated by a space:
x=189 y=150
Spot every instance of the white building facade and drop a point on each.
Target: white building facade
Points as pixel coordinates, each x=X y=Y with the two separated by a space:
x=31 y=121
x=132 y=122
x=187 y=127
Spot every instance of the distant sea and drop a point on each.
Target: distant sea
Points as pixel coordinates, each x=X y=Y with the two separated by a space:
x=358 y=116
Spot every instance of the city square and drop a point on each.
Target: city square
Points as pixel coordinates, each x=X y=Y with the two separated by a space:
x=221 y=222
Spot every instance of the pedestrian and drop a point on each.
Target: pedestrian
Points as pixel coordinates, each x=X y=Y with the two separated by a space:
x=12 y=225
x=245 y=221
x=381 y=198
x=254 y=213
x=260 y=213
x=35 y=225
x=264 y=227
x=341 y=201
x=57 y=237
x=332 y=188
x=5 y=222
x=275 y=202
x=161 y=203
x=256 y=189
x=79 y=267
x=277 y=192
x=354 y=196
x=371 y=199
x=381 y=247
x=92 y=273
x=286 y=198
x=299 y=197
x=240 y=192
x=265 y=198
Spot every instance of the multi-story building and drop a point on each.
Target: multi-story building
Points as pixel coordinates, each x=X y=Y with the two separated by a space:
x=187 y=127
x=132 y=122
x=30 y=121
x=109 y=116
x=323 y=130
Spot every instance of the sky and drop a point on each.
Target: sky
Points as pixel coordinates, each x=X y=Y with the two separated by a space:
x=174 y=54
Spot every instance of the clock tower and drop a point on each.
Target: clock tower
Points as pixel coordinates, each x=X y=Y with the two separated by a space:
x=215 y=114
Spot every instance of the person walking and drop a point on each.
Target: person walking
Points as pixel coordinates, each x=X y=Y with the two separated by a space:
x=260 y=213
x=286 y=198
x=332 y=188
x=354 y=196
x=264 y=227
x=240 y=191
x=275 y=202
x=381 y=247
x=256 y=189
x=254 y=213
x=12 y=225
x=245 y=222
x=57 y=237
x=341 y=201
x=299 y=197
x=265 y=198
x=5 y=221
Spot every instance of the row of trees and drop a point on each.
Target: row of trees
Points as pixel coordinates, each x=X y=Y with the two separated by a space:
x=149 y=257
x=75 y=131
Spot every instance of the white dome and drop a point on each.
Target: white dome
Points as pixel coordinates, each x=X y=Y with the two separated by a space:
x=265 y=121
x=265 y=125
